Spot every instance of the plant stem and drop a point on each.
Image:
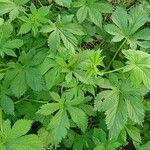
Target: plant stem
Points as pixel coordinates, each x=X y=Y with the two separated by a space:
x=31 y=100
x=5 y=69
x=22 y=99
x=37 y=101
x=111 y=71
x=3 y=65
x=25 y=14
x=1 y=120
x=115 y=55
x=40 y=3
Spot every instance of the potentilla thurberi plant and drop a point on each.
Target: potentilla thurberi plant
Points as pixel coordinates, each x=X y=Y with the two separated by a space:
x=74 y=75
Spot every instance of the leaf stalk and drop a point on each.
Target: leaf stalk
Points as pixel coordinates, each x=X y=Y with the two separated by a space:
x=115 y=55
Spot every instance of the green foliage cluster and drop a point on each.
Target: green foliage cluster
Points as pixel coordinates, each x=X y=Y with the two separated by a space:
x=74 y=74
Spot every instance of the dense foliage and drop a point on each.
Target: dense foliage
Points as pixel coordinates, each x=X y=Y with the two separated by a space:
x=74 y=74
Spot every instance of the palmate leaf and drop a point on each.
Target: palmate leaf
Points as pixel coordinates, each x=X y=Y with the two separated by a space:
x=61 y=118
x=22 y=79
x=138 y=65
x=59 y=131
x=133 y=97
x=126 y=26
x=24 y=74
x=122 y=102
x=101 y=141
x=11 y=44
x=93 y=10
x=63 y=29
x=16 y=138
x=51 y=72
x=7 y=45
x=65 y=66
x=34 y=20
x=12 y=7
x=115 y=110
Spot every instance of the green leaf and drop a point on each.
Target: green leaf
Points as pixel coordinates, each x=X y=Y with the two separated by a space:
x=127 y=26
x=59 y=131
x=65 y=3
x=123 y=101
x=44 y=136
x=116 y=118
x=115 y=110
x=54 y=40
x=28 y=142
x=6 y=6
x=1 y=21
x=48 y=28
x=120 y=18
x=55 y=96
x=63 y=29
x=12 y=7
x=138 y=17
x=79 y=117
x=112 y=29
x=25 y=28
x=38 y=58
x=7 y=104
x=60 y=118
x=52 y=72
x=138 y=67
x=48 y=109
x=15 y=138
x=73 y=28
x=134 y=133
x=135 y=109
x=69 y=40
x=143 y=34
x=20 y=128
x=16 y=43
x=82 y=14
x=9 y=52
x=104 y=7
x=13 y=14
x=93 y=10
x=34 y=20
x=7 y=44
x=2 y=76
x=52 y=77
x=145 y=146
x=95 y=16
x=61 y=109
x=34 y=79
x=101 y=105
x=18 y=84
